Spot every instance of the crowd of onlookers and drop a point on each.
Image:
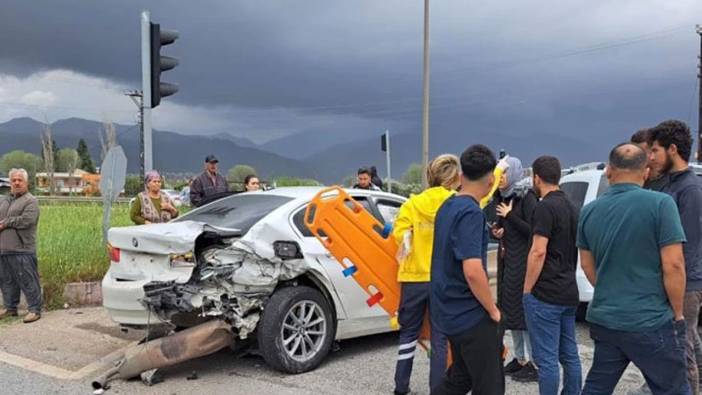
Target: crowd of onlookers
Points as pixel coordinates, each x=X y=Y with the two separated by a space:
x=639 y=244
x=154 y=206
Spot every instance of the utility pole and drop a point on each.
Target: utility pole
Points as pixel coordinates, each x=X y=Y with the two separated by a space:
x=137 y=98
x=425 y=112
x=699 y=102
x=385 y=147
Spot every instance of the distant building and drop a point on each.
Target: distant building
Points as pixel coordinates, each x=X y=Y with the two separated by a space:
x=78 y=182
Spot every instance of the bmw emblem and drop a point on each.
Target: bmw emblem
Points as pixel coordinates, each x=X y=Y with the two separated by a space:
x=135 y=242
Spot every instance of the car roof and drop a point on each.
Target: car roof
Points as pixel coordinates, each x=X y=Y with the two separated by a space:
x=593 y=175
x=309 y=192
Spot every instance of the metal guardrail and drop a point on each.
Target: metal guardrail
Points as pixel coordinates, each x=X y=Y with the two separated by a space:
x=78 y=199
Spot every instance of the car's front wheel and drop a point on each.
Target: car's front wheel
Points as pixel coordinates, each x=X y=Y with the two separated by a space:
x=296 y=331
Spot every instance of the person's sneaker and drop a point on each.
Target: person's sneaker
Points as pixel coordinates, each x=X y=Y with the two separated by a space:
x=513 y=367
x=31 y=317
x=396 y=392
x=4 y=313
x=528 y=374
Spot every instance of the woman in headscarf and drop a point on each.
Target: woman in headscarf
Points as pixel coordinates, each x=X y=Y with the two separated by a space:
x=515 y=206
x=152 y=206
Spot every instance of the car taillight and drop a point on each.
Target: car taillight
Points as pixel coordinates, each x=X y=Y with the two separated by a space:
x=114 y=253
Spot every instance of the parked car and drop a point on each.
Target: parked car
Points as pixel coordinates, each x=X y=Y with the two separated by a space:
x=250 y=260
x=174 y=195
x=582 y=185
x=4 y=186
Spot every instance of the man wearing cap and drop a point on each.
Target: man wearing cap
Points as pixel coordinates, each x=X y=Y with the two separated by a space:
x=209 y=183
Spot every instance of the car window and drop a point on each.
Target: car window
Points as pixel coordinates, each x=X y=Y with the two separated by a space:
x=388 y=210
x=299 y=222
x=604 y=185
x=239 y=211
x=576 y=191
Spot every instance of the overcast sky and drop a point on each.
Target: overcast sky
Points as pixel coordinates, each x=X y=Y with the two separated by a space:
x=265 y=69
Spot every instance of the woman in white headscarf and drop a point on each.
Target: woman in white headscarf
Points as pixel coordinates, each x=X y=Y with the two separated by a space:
x=515 y=206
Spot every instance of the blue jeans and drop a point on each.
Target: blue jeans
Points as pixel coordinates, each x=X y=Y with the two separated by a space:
x=552 y=334
x=521 y=345
x=659 y=354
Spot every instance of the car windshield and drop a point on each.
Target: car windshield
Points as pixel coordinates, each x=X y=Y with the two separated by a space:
x=236 y=212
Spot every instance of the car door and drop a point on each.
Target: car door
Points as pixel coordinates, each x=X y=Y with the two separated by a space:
x=352 y=297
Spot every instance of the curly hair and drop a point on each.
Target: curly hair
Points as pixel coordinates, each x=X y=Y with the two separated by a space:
x=675 y=132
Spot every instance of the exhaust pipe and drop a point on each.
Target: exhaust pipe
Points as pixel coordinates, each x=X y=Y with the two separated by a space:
x=191 y=343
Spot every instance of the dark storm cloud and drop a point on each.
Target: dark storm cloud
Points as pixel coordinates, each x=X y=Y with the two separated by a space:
x=509 y=64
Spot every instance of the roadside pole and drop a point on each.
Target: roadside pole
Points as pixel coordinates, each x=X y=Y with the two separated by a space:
x=425 y=105
x=386 y=148
x=137 y=98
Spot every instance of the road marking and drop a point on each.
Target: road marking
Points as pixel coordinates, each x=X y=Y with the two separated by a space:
x=60 y=373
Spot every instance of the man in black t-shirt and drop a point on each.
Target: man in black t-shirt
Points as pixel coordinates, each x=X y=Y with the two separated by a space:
x=550 y=288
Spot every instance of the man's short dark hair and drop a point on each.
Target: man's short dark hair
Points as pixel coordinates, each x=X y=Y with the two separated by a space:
x=675 y=132
x=477 y=161
x=628 y=156
x=548 y=168
x=642 y=136
x=364 y=170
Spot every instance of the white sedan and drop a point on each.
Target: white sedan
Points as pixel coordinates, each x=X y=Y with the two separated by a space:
x=250 y=260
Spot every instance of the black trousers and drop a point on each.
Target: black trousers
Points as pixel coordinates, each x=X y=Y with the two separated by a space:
x=477 y=362
x=19 y=272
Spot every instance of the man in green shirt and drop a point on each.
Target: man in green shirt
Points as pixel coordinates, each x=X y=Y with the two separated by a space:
x=630 y=242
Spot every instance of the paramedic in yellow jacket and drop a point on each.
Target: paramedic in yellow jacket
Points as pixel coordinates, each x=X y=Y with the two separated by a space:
x=414 y=232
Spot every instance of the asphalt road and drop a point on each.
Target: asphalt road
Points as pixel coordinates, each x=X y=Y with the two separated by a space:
x=359 y=366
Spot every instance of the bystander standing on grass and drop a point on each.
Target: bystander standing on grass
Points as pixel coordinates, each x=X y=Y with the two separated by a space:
x=19 y=215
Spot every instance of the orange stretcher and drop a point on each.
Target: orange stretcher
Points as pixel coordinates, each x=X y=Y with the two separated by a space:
x=363 y=246
x=365 y=249
x=355 y=238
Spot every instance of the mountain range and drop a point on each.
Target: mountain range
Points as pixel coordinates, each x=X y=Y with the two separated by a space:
x=315 y=155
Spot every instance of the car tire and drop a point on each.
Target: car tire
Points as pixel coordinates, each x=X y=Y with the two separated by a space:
x=297 y=329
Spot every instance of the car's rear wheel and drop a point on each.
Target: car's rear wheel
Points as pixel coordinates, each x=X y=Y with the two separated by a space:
x=296 y=331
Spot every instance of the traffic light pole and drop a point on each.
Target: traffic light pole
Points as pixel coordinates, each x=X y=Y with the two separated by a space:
x=147 y=160
x=137 y=98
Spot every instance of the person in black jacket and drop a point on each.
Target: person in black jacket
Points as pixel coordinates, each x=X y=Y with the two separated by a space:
x=515 y=206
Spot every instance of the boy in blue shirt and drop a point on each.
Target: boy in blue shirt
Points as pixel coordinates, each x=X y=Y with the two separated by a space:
x=462 y=306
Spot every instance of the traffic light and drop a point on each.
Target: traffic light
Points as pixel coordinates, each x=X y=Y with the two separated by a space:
x=160 y=63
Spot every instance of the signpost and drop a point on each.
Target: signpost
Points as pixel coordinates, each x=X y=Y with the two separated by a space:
x=113 y=175
x=385 y=147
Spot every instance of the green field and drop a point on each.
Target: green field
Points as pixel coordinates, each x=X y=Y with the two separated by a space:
x=70 y=246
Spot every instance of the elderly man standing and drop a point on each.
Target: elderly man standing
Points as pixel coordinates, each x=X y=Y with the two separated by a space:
x=208 y=183
x=19 y=215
